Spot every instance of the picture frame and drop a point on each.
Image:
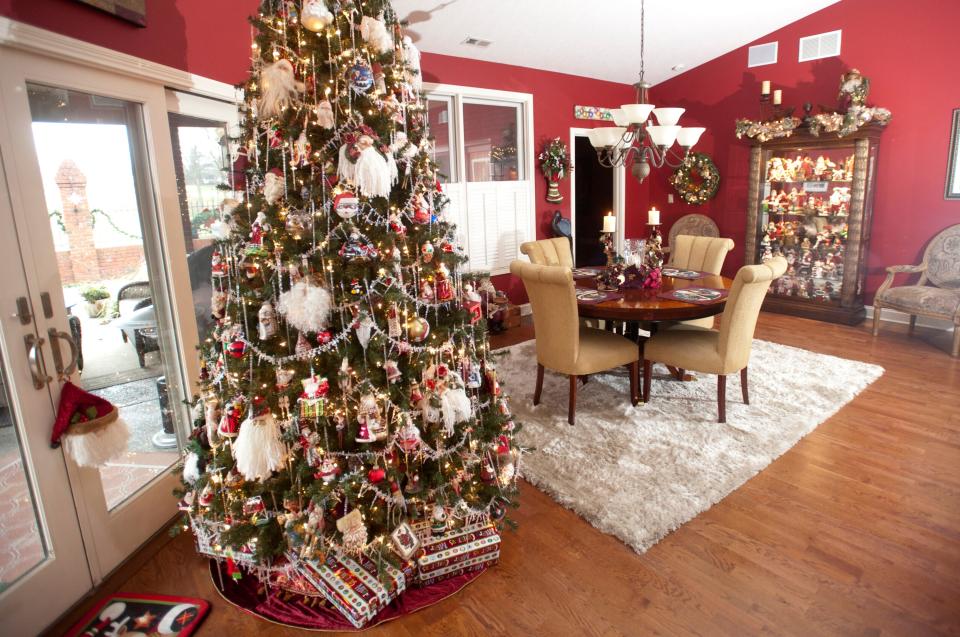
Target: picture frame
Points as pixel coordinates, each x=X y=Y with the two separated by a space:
x=133 y=11
x=952 y=189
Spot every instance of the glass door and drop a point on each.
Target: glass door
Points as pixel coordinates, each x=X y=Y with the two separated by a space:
x=92 y=157
x=42 y=548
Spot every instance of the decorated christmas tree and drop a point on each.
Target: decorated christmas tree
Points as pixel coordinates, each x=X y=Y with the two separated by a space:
x=350 y=411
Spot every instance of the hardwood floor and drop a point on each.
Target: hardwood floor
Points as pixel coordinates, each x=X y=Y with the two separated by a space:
x=854 y=531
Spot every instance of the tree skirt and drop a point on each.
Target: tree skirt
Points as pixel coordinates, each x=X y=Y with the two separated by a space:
x=640 y=472
x=314 y=613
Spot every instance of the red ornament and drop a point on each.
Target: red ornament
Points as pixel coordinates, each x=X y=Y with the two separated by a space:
x=324 y=337
x=376 y=475
x=237 y=349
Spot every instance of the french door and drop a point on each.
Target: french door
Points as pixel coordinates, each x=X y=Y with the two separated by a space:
x=91 y=190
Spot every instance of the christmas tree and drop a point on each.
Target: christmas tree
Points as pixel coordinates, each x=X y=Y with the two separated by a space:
x=349 y=398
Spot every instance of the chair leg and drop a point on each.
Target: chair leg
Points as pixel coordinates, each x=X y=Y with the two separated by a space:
x=634 y=369
x=744 y=387
x=876 y=319
x=539 y=388
x=722 y=398
x=647 y=379
x=585 y=379
x=913 y=323
x=572 y=409
x=956 y=340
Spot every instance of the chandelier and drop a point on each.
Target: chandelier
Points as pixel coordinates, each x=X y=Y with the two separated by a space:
x=634 y=140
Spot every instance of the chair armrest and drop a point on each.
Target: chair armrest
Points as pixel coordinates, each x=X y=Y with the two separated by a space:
x=894 y=270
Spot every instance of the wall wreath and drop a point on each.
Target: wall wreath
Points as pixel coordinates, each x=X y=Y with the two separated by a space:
x=697 y=179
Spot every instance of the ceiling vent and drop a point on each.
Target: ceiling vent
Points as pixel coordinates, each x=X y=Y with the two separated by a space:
x=478 y=42
x=762 y=54
x=815 y=47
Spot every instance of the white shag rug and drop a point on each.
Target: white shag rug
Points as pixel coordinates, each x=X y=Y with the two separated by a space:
x=640 y=472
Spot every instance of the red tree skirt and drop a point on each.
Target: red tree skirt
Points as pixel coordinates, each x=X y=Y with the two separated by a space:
x=292 y=609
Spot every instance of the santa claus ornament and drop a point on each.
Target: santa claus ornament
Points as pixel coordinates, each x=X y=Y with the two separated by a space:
x=306 y=305
x=278 y=88
x=274 y=186
x=346 y=205
x=267 y=325
x=315 y=16
x=89 y=427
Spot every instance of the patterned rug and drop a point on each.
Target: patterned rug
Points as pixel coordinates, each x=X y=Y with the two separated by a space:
x=640 y=472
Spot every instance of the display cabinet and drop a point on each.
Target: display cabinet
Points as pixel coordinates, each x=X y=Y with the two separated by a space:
x=811 y=201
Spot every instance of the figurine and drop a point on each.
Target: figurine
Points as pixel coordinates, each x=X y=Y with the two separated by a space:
x=267 y=326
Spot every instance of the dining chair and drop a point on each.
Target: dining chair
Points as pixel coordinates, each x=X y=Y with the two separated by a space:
x=554 y=251
x=563 y=345
x=704 y=254
x=721 y=352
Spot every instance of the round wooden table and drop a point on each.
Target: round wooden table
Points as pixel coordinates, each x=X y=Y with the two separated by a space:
x=646 y=305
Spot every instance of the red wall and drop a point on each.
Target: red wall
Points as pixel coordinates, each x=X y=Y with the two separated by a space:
x=908 y=50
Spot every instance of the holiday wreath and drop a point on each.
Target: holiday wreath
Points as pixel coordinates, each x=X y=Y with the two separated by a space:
x=697 y=179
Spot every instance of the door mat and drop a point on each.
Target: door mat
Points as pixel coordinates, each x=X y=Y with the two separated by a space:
x=122 y=613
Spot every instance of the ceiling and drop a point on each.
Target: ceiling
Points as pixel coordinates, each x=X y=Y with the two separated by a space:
x=567 y=37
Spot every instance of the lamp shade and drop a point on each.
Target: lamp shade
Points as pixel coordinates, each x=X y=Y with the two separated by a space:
x=637 y=113
x=612 y=136
x=663 y=135
x=596 y=137
x=668 y=116
x=620 y=117
x=688 y=137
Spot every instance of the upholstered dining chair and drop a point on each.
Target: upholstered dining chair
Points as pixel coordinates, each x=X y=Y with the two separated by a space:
x=695 y=225
x=724 y=351
x=704 y=254
x=936 y=294
x=554 y=251
x=563 y=345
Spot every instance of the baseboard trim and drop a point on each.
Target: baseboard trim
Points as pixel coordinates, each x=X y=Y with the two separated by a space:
x=895 y=316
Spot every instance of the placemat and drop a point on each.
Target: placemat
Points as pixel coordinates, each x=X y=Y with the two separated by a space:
x=697 y=296
x=590 y=296
x=690 y=275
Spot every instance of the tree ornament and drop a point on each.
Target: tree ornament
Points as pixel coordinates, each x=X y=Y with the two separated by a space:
x=412 y=54
x=278 y=89
x=376 y=475
x=211 y=416
x=237 y=349
x=373 y=175
x=354 y=532
x=426 y=252
x=206 y=496
x=438 y=520
x=443 y=288
x=357 y=249
x=258 y=449
x=374 y=32
x=413 y=485
x=267 y=326
x=360 y=76
x=324 y=337
x=454 y=404
x=409 y=437
x=324 y=114
x=487 y=473
x=329 y=469
x=315 y=16
x=346 y=205
x=370 y=419
x=297 y=223
x=315 y=390
x=364 y=329
x=218 y=266
x=218 y=305
x=394 y=327
x=274 y=186
x=405 y=541
x=392 y=370
x=426 y=291
x=415 y=394
x=191 y=468
x=306 y=305
x=419 y=329
x=222 y=228
x=301 y=151
x=303 y=346
x=474 y=377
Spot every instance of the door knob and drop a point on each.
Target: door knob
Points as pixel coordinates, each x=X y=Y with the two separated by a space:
x=35 y=360
x=71 y=368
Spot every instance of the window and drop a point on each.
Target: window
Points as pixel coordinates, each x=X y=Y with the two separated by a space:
x=482 y=143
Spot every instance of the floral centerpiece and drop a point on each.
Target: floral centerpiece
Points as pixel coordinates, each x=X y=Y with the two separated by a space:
x=555 y=164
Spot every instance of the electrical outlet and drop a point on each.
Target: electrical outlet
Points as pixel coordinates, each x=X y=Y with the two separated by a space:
x=670 y=197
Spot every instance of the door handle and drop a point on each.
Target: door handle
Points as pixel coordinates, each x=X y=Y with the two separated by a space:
x=71 y=367
x=35 y=359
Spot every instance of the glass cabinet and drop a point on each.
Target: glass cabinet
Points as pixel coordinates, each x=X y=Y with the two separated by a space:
x=811 y=202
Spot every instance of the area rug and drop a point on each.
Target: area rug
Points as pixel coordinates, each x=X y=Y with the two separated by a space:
x=136 y=614
x=640 y=472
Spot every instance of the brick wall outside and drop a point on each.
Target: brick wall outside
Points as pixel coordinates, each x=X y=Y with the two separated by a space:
x=113 y=263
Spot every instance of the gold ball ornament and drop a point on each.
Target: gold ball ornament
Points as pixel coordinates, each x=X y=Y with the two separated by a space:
x=418 y=329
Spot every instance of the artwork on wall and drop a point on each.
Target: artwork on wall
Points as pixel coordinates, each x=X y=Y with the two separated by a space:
x=594 y=113
x=953 y=163
x=134 y=11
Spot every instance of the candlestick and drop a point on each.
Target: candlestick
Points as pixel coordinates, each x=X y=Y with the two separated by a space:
x=765 y=88
x=609 y=223
x=777 y=97
x=653 y=217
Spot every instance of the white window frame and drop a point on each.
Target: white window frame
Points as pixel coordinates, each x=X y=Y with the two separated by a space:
x=458 y=185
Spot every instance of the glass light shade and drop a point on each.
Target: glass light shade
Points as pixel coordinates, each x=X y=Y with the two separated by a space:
x=687 y=137
x=596 y=137
x=620 y=117
x=613 y=135
x=663 y=135
x=637 y=113
x=668 y=116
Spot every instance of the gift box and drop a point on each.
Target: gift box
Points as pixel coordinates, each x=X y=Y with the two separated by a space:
x=207 y=534
x=464 y=550
x=351 y=583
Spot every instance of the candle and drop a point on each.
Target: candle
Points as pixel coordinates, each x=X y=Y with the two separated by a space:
x=777 y=97
x=653 y=217
x=765 y=88
x=609 y=223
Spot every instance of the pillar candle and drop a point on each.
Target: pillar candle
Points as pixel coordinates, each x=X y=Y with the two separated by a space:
x=609 y=223
x=765 y=88
x=777 y=97
x=653 y=217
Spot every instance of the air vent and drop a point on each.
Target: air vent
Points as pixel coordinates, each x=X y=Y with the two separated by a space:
x=479 y=42
x=762 y=54
x=824 y=45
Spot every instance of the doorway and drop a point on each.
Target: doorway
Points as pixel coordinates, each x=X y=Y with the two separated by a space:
x=595 y=191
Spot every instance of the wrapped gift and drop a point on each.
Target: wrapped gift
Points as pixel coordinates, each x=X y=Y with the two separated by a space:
x=351 y=583
x=465 y=550
x=207 y=534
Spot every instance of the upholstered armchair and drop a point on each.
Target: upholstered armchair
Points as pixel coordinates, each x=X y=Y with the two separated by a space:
x=554 y=251
x=562 y=344
x=936 y=293
x=724 y=351
x=695 y=225
x=705 y=254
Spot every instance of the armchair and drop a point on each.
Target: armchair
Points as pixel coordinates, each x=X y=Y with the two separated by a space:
x=936 y=293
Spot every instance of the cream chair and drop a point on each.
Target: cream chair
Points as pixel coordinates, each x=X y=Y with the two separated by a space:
x=704 y=254
x=695 y=225
x=562 y=344
x=549 y=252
x=722 y=351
